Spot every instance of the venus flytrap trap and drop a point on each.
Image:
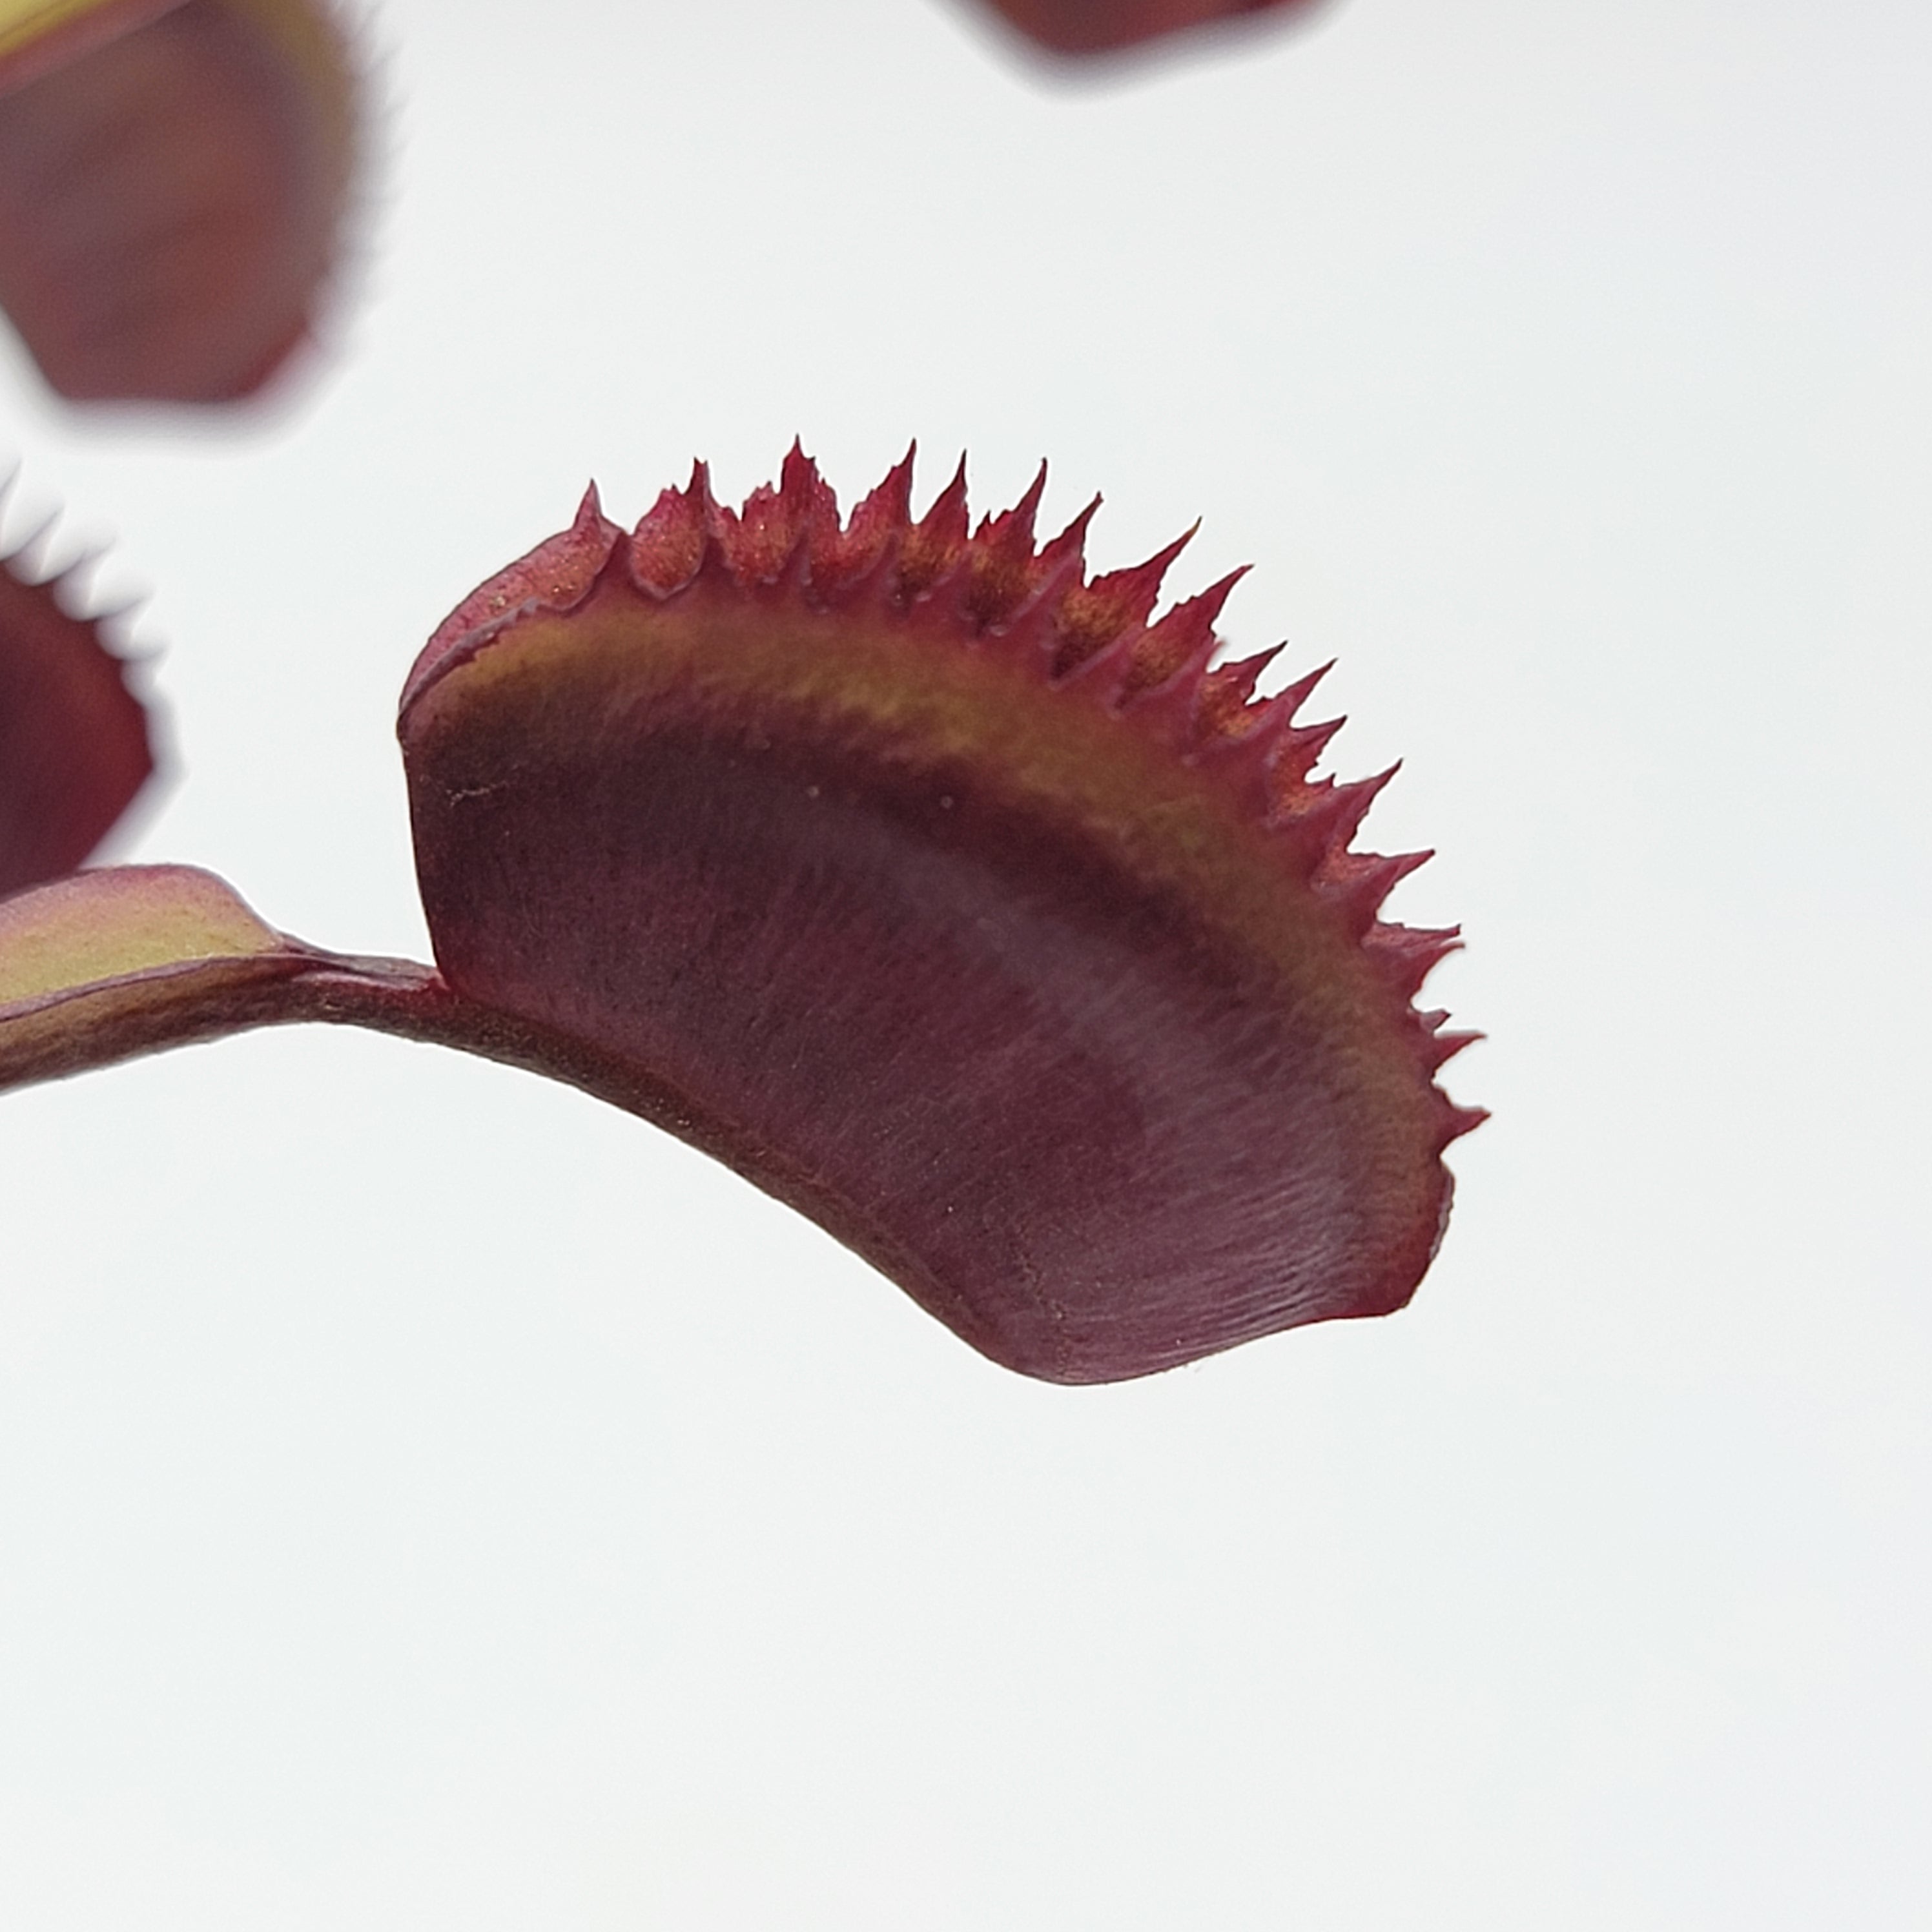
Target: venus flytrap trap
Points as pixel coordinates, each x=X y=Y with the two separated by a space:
x=941 y=889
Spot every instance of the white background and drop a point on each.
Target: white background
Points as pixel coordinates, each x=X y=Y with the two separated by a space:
x=429 y=1500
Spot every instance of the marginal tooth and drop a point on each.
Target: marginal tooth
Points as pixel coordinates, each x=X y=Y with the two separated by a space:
x=769 y=540
x=1027 y=510
x=1461 y=1121
x=1344 y=807
x=1440 y=1046
x=714 y=561
x=1353 y=870
x=669 y=546
x=1226 y=710
x=933 y=543
x=1296 y=749
x=1359 y=882
x=1357 y=875
x=1231 y=716
x=1317 y=820
x=811 y=509
x=1001 y=569
x=1443 y=1047
x=699 y=491
x=800 y=485
x=1071 y=542
x=1406 y=955
x=1160 y=652
x=891 y=502
x=1295 y=695
x=1136 y=589
x=1015 y=525
x=1093 y=616
x=841 y=560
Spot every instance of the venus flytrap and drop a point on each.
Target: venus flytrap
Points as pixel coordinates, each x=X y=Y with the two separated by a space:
x=946 y=892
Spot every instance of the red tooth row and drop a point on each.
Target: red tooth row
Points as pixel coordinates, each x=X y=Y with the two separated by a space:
x=995 y=583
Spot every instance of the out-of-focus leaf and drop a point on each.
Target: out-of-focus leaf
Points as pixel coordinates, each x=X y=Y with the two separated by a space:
x=1098 y=26
x=172 y=180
